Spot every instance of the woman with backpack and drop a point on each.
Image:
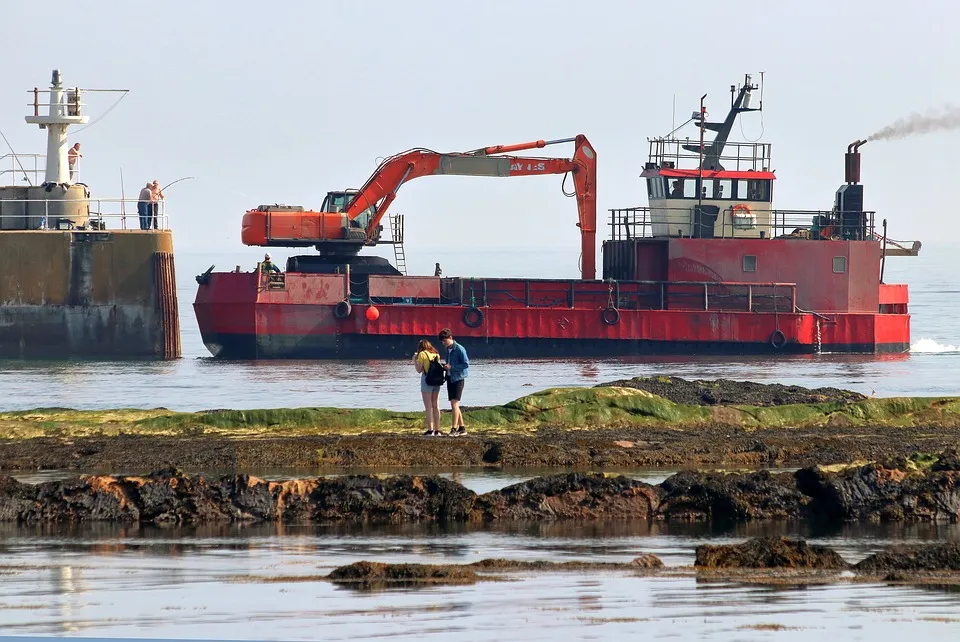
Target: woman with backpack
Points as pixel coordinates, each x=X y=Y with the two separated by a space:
x=427 y=362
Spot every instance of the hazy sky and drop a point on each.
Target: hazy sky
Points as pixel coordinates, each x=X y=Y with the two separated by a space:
x=283 y=101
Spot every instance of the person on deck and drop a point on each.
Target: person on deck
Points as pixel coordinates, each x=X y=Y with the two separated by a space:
x=143 y=206
x=73 y=154
x=156 y=197
x=457 y=367
x=268 y=266
x=425 y=357
x=677 y=191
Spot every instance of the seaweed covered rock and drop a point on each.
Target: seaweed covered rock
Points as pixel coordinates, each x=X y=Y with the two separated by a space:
x=731 y=496
x=380 y=573
x=400 y=498
x=875 y=493
x=947 y=460
x=170 y=497
x=647 y=560
x=926 y=557
x=726 y=392
x=769 y=552
x=571 y=496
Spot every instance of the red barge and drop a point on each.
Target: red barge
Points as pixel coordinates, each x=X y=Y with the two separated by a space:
x=708 y=267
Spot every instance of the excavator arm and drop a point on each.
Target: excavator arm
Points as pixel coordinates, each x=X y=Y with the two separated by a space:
x=380 y=190
x=343 y=225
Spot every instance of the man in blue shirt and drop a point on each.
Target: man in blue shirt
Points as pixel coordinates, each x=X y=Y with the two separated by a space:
x=457 y=367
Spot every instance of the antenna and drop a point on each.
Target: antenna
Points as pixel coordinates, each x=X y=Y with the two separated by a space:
x=761 y=91
x=123 y=202
x=673 y=122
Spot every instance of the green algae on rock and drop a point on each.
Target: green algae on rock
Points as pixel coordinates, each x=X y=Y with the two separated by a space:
x=559 y=408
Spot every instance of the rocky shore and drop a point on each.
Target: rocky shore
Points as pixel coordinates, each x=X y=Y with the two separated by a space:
x=643 y=422
x=769 y=559
x=917 y=489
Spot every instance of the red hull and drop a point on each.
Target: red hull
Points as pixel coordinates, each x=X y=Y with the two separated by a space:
x=685 y=299
x=238 y=320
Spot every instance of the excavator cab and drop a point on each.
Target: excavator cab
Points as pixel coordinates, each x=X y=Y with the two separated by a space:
x=336 y=202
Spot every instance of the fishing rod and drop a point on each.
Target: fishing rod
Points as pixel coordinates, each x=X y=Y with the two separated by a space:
x=185 y=178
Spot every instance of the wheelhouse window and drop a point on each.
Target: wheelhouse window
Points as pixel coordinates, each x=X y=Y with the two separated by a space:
x=757 y=190
x=675 y=188
x=713 y=189
x=723 y=189
x=656 y=187
x=749 y=263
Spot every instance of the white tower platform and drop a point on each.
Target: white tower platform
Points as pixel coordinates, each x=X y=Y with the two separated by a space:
x=63 y=110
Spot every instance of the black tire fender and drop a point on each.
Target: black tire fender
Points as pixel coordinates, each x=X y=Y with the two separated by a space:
x=778 y=339
x=610 y=315
x=473 y=317
x=343 y=309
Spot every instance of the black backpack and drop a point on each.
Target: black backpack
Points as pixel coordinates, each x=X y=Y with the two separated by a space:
x=435 y=373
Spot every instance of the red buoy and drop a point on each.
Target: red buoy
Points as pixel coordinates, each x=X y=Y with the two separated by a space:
x=373 y=313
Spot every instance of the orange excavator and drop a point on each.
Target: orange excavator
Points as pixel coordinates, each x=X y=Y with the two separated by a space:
x=350 y=219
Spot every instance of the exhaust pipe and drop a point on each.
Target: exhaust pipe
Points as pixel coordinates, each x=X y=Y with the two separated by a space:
x=852 y=162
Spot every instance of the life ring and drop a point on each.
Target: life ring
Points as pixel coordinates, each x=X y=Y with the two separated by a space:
x=778 y=339
x=610 y=315
x=342 y=309
x=742 y=207
x=473 y=317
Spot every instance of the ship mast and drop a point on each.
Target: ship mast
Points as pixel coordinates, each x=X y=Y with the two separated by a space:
x=63 y=110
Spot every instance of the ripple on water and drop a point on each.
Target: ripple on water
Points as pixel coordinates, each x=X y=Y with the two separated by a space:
x=208 y=582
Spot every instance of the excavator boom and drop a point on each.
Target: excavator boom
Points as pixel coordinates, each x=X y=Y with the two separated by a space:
x=380 y=190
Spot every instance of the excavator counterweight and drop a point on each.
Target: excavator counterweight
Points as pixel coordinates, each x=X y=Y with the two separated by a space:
x=350 y=220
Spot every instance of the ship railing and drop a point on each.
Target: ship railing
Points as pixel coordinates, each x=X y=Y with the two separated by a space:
x=731 y=296
x=81 y=214
x=736 y=156
x=734 y=222
x=23 y=170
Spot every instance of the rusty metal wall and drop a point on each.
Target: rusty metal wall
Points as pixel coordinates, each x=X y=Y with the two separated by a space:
x=166 y=287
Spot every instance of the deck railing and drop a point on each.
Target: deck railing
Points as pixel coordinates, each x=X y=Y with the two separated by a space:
x=24 y=170
x=52 y=214
x=625 y=295
x=736 y=156
x=637 y=222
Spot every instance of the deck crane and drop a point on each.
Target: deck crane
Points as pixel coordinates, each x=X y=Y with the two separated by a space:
x=349 y=220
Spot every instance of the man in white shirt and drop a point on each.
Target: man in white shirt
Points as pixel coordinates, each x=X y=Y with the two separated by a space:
x=144 y=206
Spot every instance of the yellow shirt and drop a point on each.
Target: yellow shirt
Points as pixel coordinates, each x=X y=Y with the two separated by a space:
x=424 y=358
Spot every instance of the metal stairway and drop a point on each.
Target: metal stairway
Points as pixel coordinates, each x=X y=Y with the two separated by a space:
x=396 y=232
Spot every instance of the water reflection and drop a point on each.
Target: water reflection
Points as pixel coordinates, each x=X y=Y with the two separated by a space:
x=263 y=582
x=197 y=384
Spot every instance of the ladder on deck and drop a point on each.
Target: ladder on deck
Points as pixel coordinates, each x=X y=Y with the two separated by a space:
x=396 y=232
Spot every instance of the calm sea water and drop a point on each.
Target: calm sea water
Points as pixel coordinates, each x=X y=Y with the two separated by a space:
x=197 y=381
x=237 y=582
x=264 y=582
